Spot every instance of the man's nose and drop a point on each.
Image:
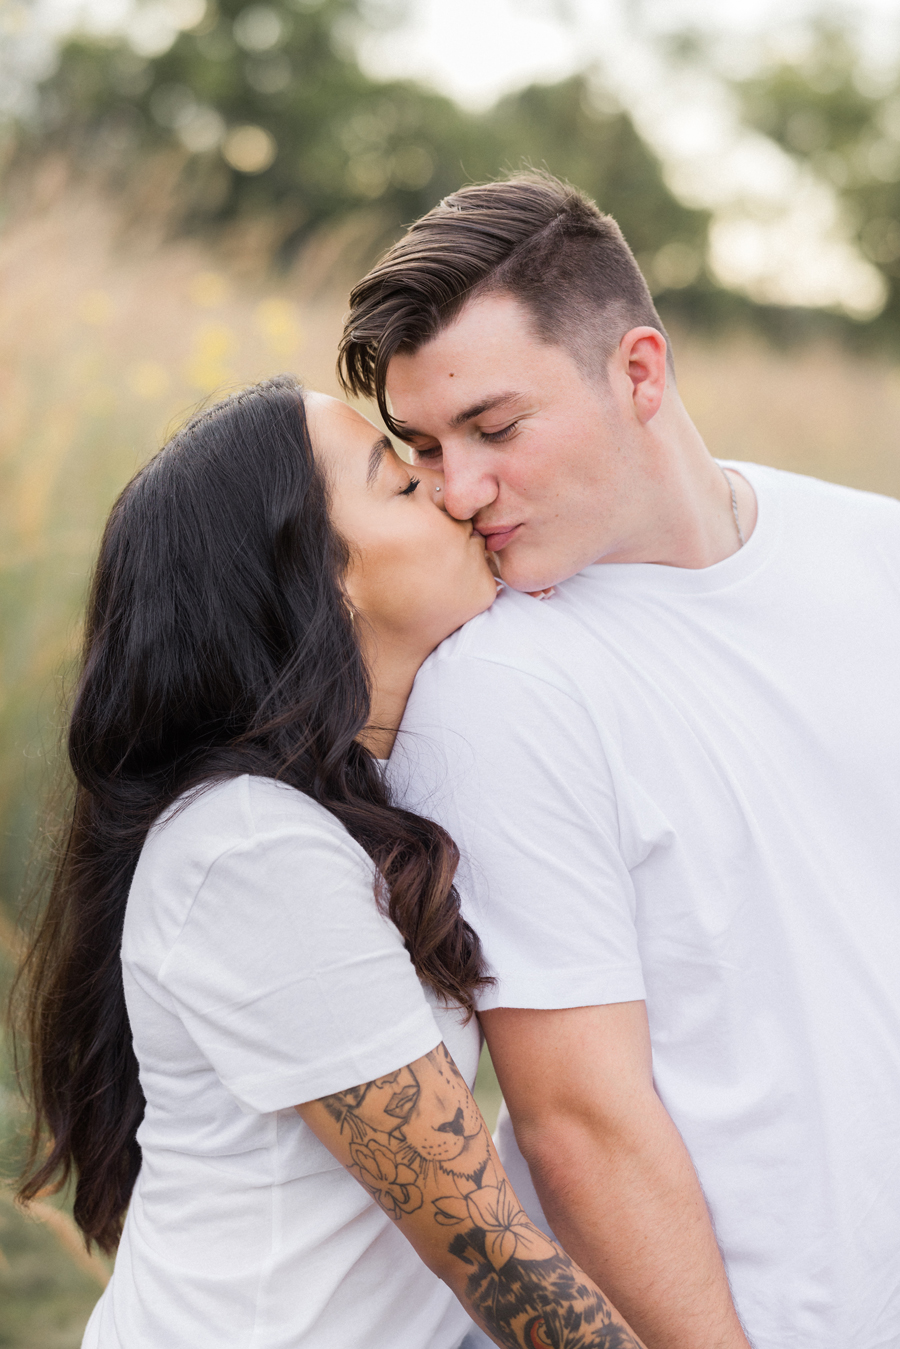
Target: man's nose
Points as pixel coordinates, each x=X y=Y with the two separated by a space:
x=467 y=488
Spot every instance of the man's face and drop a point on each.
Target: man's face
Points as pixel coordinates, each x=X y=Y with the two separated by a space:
x=531 y=449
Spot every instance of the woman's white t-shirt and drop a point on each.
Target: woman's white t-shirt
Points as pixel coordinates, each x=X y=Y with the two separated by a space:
x=259 y=974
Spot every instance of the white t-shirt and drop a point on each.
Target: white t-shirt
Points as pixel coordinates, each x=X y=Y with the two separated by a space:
x=259 y=974
x=684 y=786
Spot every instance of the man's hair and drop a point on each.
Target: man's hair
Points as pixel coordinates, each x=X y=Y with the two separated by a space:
x=532 y=237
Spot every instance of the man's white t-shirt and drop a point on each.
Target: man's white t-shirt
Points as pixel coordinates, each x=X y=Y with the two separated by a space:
x=684 y=786
x=259 y=974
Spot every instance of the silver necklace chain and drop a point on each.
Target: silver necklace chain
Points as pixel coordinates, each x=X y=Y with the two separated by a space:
x=734 y=509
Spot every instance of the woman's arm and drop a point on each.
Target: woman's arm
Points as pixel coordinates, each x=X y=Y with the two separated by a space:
x=416 y=1141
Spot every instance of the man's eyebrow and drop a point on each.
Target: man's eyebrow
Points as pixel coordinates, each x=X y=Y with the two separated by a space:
x=499 y=400
x=478 y=409
x=376 y=454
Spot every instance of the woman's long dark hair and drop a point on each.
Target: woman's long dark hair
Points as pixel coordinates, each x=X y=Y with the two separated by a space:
x=219 y=641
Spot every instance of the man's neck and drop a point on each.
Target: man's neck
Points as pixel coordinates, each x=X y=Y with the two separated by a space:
x=688 y=516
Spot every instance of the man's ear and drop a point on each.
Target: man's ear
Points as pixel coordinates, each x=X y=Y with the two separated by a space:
x=642 y=358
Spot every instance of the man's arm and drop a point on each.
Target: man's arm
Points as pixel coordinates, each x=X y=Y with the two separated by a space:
x=613 y=1175
x=415 y=1140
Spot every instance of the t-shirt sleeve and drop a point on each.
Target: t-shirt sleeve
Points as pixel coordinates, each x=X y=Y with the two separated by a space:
x=288 y=977
x=515 y=770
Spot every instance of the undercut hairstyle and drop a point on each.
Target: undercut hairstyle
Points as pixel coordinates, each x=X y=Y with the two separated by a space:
x=219 y=641
x=532 y=237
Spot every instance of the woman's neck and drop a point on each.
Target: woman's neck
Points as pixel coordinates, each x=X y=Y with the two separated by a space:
x=392 y=670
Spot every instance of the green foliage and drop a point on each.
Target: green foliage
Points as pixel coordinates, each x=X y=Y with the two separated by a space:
x=267 y=113
x=270 y=114
x=824 y=108
x=581 y=134
x=45 y=1298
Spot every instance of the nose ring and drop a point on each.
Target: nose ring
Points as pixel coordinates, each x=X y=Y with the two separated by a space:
x=437 y=489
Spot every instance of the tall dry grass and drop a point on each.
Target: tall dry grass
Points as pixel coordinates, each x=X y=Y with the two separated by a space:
x=109 y=336
x=813 y=409
x=109 y=333
x=107 y=340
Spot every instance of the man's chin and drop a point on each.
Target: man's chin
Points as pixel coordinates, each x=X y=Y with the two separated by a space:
x=532 y=575
x=527 y=585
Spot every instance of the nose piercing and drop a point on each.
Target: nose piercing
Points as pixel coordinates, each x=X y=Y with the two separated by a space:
x=437 y=489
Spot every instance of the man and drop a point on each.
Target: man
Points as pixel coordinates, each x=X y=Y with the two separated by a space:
x=675 y=785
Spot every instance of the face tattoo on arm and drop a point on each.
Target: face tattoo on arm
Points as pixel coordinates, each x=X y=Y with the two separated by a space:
x=416 y=1141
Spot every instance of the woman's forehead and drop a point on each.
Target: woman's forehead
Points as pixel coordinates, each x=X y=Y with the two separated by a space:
x=342 y=437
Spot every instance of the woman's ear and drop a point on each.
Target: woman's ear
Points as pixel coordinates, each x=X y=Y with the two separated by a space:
x=353 y=586
x=642 y=357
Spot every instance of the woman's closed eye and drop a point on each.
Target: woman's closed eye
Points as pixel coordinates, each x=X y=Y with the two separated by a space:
x=410 y=487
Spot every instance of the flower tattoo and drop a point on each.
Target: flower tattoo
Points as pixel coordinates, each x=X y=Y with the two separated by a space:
x=493 y=1210
x=507 y=1230
x=391 y=1183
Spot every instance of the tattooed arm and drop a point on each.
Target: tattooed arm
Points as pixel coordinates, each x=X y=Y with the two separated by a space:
x=416 y=1141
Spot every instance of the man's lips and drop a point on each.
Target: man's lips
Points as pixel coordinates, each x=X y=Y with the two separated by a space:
x=496 y=536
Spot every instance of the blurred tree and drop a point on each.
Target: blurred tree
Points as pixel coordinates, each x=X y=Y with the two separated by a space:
x=826 y=107
x=267 y=110
x=578 y=131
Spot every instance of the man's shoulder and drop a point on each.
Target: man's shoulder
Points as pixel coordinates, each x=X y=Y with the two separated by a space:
x=828 y=534
x=518 y=632
x=523 y=662
x=799 y=489
x=513 y=679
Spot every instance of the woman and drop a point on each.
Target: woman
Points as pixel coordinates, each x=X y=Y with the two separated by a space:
x=253 y=972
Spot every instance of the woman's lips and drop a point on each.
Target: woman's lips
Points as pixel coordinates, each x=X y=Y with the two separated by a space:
x=498 y=537
x=402 y=1101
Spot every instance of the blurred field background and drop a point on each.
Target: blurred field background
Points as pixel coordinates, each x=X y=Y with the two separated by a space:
x=188 y=189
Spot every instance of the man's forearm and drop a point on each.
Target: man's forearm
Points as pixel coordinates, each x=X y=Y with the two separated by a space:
x=627 y=1206
x=611 y=1169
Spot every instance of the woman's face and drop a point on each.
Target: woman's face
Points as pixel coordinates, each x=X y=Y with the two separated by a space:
x=416 y=574
x=437 y=1125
